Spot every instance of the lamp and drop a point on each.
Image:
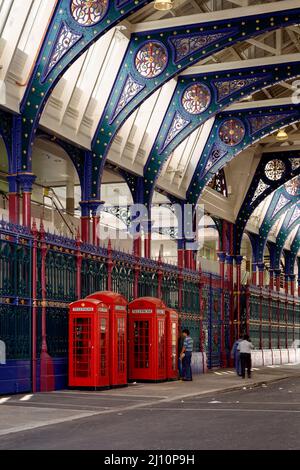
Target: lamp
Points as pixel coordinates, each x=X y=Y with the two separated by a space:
x=163 y=5
x=282 y=136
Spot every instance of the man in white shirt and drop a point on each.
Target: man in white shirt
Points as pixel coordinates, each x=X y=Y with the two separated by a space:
x=245 y=347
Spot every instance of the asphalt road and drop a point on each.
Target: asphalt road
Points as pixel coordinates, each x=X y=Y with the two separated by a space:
x=266 y=417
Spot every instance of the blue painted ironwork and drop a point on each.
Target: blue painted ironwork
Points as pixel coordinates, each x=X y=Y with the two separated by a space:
x=74 y=27
x=262 y=185
x=215 y=91
x=153 y=58
x=217 y=154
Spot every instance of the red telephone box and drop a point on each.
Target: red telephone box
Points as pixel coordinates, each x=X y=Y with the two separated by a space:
x=89 y=344
x=172 y=319
x=118 y=335
x=147 y=340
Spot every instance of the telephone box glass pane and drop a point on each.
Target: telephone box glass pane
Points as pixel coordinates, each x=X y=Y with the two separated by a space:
x=103 y=347
x=141 y=344
x=161 y=344
x=82 y=347
x=121 y=345
x=174 y=345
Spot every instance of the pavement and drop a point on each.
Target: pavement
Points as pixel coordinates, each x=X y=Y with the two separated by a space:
x=151 y=416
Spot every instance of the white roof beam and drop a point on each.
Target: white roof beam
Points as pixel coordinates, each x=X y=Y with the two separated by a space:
x=283 y=5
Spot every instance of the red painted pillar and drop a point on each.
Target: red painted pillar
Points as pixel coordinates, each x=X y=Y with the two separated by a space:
x=109 y=266
x=78 y=266
x=286 y=284
x=254 y=275
x=299 y=286
x=292 y=281
x=34 y=306
x=26 y=182
x=85 y=221
x=13 y=200
x=137 y=247
x=238 y=260
x=271 y=284
x=261 y=274
x=159 y=279
x=201 y=313
x=47 y=369
x=277 y=279
x=180 y=290
x=222 y=259
x=233 y=333
x=180 y=254
x=148 y=239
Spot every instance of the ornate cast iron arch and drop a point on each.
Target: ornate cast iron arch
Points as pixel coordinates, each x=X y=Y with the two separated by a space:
x=74 y=27
x=144 y=69
x=263 y=184
x=233 y=132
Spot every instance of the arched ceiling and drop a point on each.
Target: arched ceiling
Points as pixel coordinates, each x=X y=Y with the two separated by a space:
x=76 y=104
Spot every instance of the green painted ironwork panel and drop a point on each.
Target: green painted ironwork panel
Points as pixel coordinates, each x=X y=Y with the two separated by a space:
x=93 y=276
x=15 y=330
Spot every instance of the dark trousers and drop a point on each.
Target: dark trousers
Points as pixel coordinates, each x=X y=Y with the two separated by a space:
x=245 y=364
x=186 y=366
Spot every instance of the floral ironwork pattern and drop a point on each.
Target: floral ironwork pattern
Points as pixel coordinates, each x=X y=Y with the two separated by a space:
x=295 y=162
x=196 y=99
x=89 y=12
x=280 y=204
x=151 y=59
x=260 y=190
x=215 y=156
x=232 y=132
x=228 y=87
x=293 y=187
x=130 y=90
x=186 y=45
x=258 y=123
x=295 y=216
x=274 y=170
x=178 y=124
x=66 y=39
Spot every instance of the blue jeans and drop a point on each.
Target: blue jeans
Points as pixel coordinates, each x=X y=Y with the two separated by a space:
x=186 y=366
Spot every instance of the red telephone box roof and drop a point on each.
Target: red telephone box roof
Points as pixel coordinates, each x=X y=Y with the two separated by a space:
x=151 y=301
x=109 y=298
x=87 y=303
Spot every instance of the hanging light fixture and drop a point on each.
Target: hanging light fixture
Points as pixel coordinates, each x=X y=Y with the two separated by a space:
x=163 y=5
x=282 y=136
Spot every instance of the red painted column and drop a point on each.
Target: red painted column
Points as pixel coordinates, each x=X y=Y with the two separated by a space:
x=47 y=369
x=109 y=266
x=261 y=274
x=271 y=284
x=286 y=284
x=85 y=221
x=13 y=200
x=254 y=274
x=292 y=281
x=201 y=312
x=34 y=306
x=298 y=286
x=233 y=333
x=238 y=260
x=78 y=266
x=26 y=181
x=159 y=279
x=148 y=240
x=277 y=279
x=137 y=247
x=248 y=310
x=222 y=259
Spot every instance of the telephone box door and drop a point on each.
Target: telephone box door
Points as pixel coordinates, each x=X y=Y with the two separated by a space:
x=172 y=344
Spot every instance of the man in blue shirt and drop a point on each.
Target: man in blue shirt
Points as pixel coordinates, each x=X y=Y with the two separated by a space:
x=186 y=355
